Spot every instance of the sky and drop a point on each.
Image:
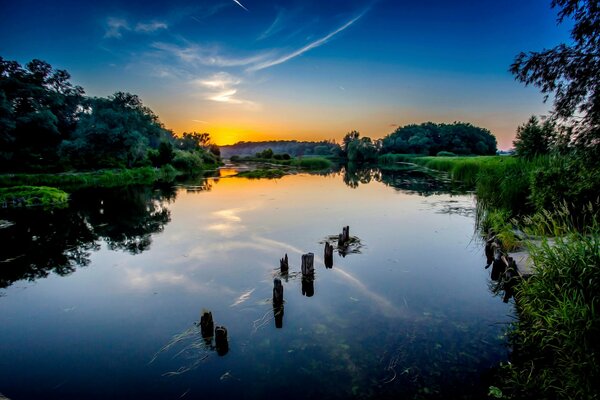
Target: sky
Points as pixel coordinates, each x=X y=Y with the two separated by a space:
x=306 y=70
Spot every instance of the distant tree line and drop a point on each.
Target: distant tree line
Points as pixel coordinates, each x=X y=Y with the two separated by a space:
x=48 y=124
x=293 y=148
x=430 y=139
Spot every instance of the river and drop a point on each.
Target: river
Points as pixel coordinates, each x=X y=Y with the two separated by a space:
x=102 y=299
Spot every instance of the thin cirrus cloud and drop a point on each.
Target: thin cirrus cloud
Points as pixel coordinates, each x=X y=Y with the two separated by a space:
x=280 y=60
x=222 y=88
x=115 y=27
x=208 y=56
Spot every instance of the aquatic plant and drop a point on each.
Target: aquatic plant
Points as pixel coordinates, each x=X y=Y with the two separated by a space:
x=32 y=196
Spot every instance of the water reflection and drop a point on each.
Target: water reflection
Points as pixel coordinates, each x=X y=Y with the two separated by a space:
x=407 y=178
x=43 y=241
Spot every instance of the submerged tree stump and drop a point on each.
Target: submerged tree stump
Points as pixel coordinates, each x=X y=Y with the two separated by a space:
x=308 y=268
x=221 y=342
x=344 y=237
x=284 y=266
x=277 y=292
x=328 y=256
x=206 y=325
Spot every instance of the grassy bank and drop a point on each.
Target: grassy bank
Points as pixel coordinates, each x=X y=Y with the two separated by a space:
x=104 y=178
x=18 y=196
x=556 y=354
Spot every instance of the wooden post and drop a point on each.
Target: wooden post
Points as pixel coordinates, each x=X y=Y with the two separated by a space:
x=206 y=325
x=308 y=286
x=277 y=292
x=308 y=268
x=344 y=237
x=278 y=315
x=346 y=234
x=284 y=265
x=221 y=342
x=328 y=255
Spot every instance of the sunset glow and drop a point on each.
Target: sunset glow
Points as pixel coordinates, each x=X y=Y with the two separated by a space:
x=295 y=70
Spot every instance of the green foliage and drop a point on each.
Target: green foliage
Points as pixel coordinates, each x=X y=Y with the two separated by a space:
x=114 y=132
x=360 y=149
x=557 y=355
x=445 y=154
x=192 y=141
x=429 y=139
x=32 y=196
x=187 y=161
x=39 y=108
x=266 y=154
x=100 y=178
x=569 y=72
x=534 y=139
x=312 y=163
x=391 y=159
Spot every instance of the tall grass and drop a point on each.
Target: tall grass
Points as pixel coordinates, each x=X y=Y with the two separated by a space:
x=312 y=163
x=556 y=350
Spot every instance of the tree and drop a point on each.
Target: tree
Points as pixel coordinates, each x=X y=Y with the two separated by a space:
x=570 y=72
x=192 y=141
x=114 y=132
x=535 y=139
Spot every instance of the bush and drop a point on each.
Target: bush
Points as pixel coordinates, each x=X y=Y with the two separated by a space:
x=187 y=161
x=445 y=154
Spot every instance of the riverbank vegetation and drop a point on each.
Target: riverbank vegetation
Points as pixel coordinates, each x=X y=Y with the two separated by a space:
x=17 y=196
x=48 y=125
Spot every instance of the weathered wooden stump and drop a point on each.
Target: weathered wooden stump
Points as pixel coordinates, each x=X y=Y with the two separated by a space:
x=284 y=265
x=277 y=292
x=308 y=265
x=278 y=314
x=308 y=287
x=206 y=325
x=221 y=342
x=328 y=255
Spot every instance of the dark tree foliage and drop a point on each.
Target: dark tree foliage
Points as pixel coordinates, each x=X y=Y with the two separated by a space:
x=114 y=132
x=430 y=138
x=39 y=108
x=535 y=138
x=359 y=149
x=192 y=141
x=570 y=72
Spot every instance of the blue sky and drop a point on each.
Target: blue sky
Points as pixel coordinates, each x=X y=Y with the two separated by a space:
x=255 y=70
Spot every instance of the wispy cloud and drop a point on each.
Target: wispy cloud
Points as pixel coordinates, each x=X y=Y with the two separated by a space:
x=280 y=60
x=222 y=87
x=150 y=27
x=114 y=26
x=208 y=56
x=275 y=26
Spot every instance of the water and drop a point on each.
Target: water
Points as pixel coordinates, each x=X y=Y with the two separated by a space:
x=102 y=299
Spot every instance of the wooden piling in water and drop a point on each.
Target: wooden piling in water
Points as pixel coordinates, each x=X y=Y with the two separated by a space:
x=308 y=268
x=328 y=255
x=284 y=266
x=277 y=292
x=206 y=325
x=221 y=342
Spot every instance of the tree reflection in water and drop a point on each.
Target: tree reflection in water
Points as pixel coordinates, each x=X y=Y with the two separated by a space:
x=60 y=240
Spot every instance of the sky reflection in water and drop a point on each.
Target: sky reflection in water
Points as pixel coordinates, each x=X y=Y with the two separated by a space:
x=410 y=315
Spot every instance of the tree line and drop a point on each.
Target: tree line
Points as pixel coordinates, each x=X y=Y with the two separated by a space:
x=49 y=124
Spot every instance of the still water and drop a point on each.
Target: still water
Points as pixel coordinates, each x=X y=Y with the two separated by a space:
x=103 y=299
